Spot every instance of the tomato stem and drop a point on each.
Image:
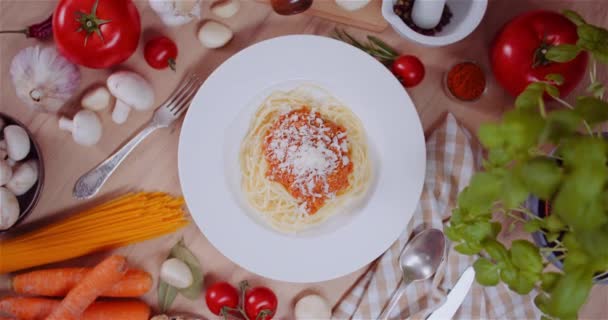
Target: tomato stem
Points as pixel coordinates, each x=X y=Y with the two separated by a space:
x=90 y=23
x=540 y=58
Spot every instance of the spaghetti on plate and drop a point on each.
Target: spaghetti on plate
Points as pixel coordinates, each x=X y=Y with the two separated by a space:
x=303 y=158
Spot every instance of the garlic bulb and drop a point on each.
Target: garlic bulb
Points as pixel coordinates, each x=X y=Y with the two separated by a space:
x=43 y=79
x=176 y=12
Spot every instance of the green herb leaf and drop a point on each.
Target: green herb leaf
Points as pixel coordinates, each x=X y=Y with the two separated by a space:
x=595 y=40
x=592 y=109
x=549 y=280
x=583 y=152
x=558 y=79
x=523 y=282
x=496 y=227
x=490 y=135
x=477 y=231
x=596 y=89
x=553 y=223
x=541 y=301
x=514 y=191
x=574 y=17
x=383 y=45
x=481 y=193
x=570 y=293
x=166 y=296
x=552 y=236
x=452 y=233
x=181 y=252
x=562 y=52
x=593 y=242
x=541 y=176
x=530 y=97
x=575 y=260
x=551 y=90
x=486 y=273
x=468 y=248
x=526 y=256
x=532 y=225
x=496 y=250
x=561 y=123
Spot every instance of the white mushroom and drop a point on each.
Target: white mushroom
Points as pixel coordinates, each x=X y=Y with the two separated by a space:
x=213 y=34
x=6 y=172
x=16 y=142
x=24 y=177
x=132 y=91
x=176 y=273
x=9 y=209
x=312 y=307
x=352 y=5
x=85 y=127
x=225 y=8
x=96 y=99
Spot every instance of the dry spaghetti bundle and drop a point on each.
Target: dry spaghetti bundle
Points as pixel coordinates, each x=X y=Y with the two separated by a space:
x=129 y=219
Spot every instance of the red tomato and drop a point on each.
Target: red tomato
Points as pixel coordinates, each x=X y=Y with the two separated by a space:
x=219 y=295
x=409 y=70
x=96 y=34
x=160 y=53
x=260 y=300
x=517 y=54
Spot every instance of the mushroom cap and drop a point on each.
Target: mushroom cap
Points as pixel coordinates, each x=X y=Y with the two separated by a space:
x=24 y=177
x=6 y=172
x=17 y=142
x=9 y=209
x=132 y=89
x=86 y=128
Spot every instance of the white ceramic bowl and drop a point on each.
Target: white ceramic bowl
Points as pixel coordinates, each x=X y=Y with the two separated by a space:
x=467 y=15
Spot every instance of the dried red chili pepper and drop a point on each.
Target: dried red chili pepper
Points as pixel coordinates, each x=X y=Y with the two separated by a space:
x=40 y=31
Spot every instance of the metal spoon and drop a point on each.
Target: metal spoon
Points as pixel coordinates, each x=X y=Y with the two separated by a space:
x=419 y=261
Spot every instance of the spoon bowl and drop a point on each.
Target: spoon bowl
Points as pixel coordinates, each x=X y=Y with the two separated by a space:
x=419 y=260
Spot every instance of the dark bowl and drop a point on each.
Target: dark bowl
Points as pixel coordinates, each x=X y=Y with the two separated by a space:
x=27 y=201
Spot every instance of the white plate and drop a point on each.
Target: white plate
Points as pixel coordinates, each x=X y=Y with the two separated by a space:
x=219 y=117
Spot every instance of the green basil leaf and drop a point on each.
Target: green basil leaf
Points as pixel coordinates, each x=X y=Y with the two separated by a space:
x=530 y=97
x=166 y=296
x=558 y=79
x=468 y=248
x=496 y=227
x=541 y=176
x=552 y=236
x=553 y=223
x=595 y=40
x=575 y=260
x=453 y=233
x=477 y=231
x=590 y=241
x=570 y=293
x=549 y=280
x=532 y=225
x=522 y=129
x=523 y=282
x=181 y=252
x=561 y=123
x=508 y=274
x=596 y=89
x=592 y=109
x=526 y=256
x=486 y=273
x=496 y=250
x=497 y=158
x=482 y=192
x=552 y=90
x=583 y=152
x=574 y=17
x=514 y=191
x=541 y=301
x=490 y=135
x=562 y=53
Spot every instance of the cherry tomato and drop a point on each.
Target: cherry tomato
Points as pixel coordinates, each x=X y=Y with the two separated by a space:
x=160 y=53
x=96 y=34
x=219 y=295
x=518 y=52
x=260 y=300
x=409 y=70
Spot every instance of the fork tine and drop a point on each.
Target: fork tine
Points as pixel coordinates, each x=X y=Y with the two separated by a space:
x=186 y=90
x=186 y=102
x=179 y=91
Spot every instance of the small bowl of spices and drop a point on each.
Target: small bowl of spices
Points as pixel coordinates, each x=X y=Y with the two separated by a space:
x=465 y=81
x=454 y=21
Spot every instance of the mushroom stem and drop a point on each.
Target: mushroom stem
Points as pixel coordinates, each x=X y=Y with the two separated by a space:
x=121 y=112
x=66 y=124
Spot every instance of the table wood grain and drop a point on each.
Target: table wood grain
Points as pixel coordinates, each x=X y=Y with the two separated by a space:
x=153 y=165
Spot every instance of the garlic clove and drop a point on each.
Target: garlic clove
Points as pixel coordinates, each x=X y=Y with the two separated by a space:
x=85 y=127
x=17 y=142
x=176 y=273
x=6 y=172
x=96 y=99
x=9 y=209
x=176 y=12
x=44 y=80
x=225 y=8
x=24 y=177
x=312 y=307
x=214 y=35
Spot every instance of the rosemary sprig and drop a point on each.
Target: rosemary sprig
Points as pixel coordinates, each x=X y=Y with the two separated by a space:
x=374 y=46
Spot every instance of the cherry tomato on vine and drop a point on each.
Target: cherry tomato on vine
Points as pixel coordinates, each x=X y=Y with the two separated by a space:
x=160 y=53
x=260 y=302
x=221 y=294
x=408 y=69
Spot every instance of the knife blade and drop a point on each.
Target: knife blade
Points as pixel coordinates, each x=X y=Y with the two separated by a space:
x=455 y=296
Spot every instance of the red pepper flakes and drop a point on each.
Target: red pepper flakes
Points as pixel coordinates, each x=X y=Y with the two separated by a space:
x=466 y=81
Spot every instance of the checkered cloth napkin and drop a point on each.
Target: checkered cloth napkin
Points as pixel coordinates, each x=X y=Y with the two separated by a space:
x=452 y=158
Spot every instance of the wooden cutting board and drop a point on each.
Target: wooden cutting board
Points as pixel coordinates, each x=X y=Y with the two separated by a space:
x=369 y=17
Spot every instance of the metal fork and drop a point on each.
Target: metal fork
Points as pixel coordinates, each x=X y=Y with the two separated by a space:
x=90 y=183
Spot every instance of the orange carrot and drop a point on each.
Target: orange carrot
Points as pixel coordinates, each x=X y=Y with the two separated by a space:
x=99 y=280
x=39 y=308
x=58 y=282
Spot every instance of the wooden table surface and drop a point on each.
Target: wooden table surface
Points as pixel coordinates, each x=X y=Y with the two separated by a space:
x=153 y=165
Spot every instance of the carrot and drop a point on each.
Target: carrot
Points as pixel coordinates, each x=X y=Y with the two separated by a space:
x=58 y=282
x=99 y=280
x=39 y=308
